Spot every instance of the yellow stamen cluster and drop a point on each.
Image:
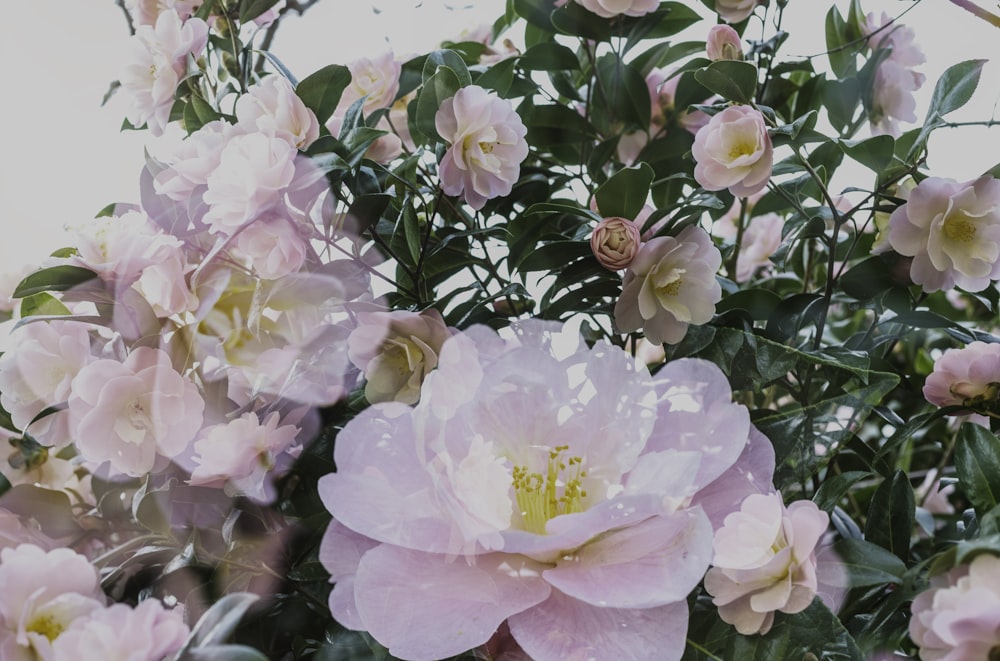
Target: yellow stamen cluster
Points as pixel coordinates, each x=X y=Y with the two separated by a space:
x=542 y=497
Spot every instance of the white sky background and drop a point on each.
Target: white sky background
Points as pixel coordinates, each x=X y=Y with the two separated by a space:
x=64 y=157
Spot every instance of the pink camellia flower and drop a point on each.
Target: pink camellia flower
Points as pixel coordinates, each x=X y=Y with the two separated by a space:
x=243 y=454
x=377 y=81
x=396 y=350
x=270 y=16
x=486 y=145
x=120 y=248
x=761 y=238
x=612 y=8
x=41 y=594
x=188 y=163
x=736 y=11
x=272 y=107
x=669 y=285
x=145 y=12
x=36 y=372
x=968 y=377
x=581 y=490
x=723 y=44
x=895 y=81
x=765 y=561
x=952 y=231
x=958 y=617
x=148 y=632
x=130 y=413
x=662 y=86
x=157 y=64
x=272 y=245
x=734 y=151
x=615 y=242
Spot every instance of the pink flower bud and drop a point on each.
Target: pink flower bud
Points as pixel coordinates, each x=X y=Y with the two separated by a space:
x=615 y=242
x=723 y=44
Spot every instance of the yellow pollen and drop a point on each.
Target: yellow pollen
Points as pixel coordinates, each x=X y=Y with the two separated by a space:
x=741 y=149
x=542 y=497
x=959 y=227
x=487 y=147
x=47 y=626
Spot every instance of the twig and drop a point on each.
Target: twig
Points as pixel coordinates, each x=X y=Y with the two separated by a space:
x=975 y=9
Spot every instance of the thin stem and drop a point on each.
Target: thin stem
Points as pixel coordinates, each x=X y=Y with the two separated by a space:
x=975 y=9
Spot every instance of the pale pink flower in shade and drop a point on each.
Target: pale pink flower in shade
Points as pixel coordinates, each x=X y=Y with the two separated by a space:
x=119 y=248
x=765 y=561
x=931 y=496
x=761 y=238
x=486 y=145
x=41 y=594
x=612 y=8
x=670 y=285
x=272 y=245
x=157 y=63
x=148 y=632
x=615 y=242
x=396 y=350
x=254 y=171
x=131 y=413
x=243 y=455
x=968 y=377
x=376 y=78
x=736 y=11
x=270 y=16
x=189 y=162
x=581 y=490
x=36 y=372
x=497 y=50
x=958 y=617
x=895 y=81
x=272 y=107
x=952 y=231
x=723 y=43
x=734 y=151
x=14 y=532
x=145 y=12
x=164 y=284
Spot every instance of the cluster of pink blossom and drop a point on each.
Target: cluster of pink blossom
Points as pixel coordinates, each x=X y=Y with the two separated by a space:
x=895 y=80
x=581 y=491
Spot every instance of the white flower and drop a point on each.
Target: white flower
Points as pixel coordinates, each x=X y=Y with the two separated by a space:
x=272 y=107
x=145 y=12
x=120 y=247
x=612 y=8
x=734 y=151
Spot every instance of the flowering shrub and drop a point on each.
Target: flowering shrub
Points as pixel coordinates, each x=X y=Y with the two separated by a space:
x=610 y=331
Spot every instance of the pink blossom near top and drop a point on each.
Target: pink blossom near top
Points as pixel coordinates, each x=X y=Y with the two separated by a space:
x=376 y=79
x=37 y=371
x=272 y=107
x=761 y=238
x=186 y=164
x=958 y=616
x=41 y=594
x=612 y=8
x=952 y=231
x=121 y=247
x=130 y=413
x=765 y=561
x=270 y=16
x=396 y=350
x=734 y=151
x=670 y=285
x=615 y=242
x=148 y=632
x=736 y=11
x=496 y=50
x=145 y=12
x=243 y=455
x=273 y=245
x=723 y=43
x=969 y=376
x=895 y=81
x=581 y=490
x=486 y=145
x=156 y=64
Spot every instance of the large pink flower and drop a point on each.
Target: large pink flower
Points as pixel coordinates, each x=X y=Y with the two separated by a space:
x=895 y=80
x=612 y=8
x=147 y=632
x=952 y=231
x=581 y=491
x=969 y=376
x=734 y=151
x=958 y=617
x=486 y=145
x=670 y=285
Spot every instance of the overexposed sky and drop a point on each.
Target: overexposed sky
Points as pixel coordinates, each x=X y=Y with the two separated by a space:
x=64 y=157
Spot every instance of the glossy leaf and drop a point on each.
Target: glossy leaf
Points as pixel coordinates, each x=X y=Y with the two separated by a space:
x=977 y=460
x=732 y=80
x=54 y=278
x=890 y=515
x=624 y=194
x=321 y=91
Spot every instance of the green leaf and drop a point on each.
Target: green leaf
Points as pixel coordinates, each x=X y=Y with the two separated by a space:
x=321 y=91
x=555 y=255
x=548 y=56
x=891 y=514
x=865 y=564
x=220 y=621
x=622 y=92
x=251 y=9
x=841 y=59
x=55 y=278
x=875 y=153
x=498 y=77
x=450 y=60
x=836 y=487
x=536 y=12
x=954 y=88
x=42 y=303
x=732 y=80
x=977 y=461
x=197 y=113
x=574 y=20
x=444 y=84
x=224 y=653
x=625 y=192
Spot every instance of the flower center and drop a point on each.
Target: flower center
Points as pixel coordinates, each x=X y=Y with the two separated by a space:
x=959 y=227
x=46 y=625
x=487 y=147
x=559 y=490
x=670 y=285
x=742 y=148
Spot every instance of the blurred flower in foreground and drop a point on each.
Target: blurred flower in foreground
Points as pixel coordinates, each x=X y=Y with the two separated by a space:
x=581 y=490
x=968 y=377
x=669 y=285
x=734 y=151
x=958 y=617
x=765 y=561
x=486 y=145
x=952 y=231
x=148 y=632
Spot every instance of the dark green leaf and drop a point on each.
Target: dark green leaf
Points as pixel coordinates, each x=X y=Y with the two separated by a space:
x=625 y=193
x=622 y=92
x=42 y=303
x=954 y=88
x=450 y=60
x=977 y=461
x=197 y=113
x=440 y=86
x=219 y=621
x=732 y=80
x=553 y=256
x=536 y=12
x=548 y=56
x=866 y=564
x=574 y=20
x=224 y=653
x=890 y=515
x=251 y=9
x=55 y=278
x=321 y=91
x=875 y=153
x=835 y=487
